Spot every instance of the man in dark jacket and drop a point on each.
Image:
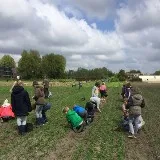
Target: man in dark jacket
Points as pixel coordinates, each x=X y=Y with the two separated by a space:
x=21 y=105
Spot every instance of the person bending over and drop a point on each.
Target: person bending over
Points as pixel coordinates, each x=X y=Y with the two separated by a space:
x=74 y=120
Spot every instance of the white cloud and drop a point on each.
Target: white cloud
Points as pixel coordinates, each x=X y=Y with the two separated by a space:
x=76 y=57
x=57 y=26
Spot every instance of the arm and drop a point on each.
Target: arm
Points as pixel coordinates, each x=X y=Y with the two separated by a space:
x=12 y=86
x=27 y=99
x=13 y=103
x=143 y=104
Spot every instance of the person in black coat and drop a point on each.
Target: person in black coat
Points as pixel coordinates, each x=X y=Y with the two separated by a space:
x=21 y=105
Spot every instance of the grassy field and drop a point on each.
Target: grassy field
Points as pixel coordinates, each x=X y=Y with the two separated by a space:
x=100 y=140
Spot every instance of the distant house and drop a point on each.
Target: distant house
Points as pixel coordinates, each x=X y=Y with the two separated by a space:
x=150 y=78
x=6 y=72
x=132 y=75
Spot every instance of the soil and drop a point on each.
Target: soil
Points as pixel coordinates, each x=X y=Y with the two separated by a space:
x=66 y=146
x=139 y=148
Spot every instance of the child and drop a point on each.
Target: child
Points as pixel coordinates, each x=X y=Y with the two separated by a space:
x=95 y=89
x=6 y=111
x=97 y=101
x=124 y=110
x=15 y=83
x=90 y=107
x=46 y=87
x=21 y=105
x=74 y=119
x=123 y=91
x=81 y=112
x=103 y=92
x=135 y=103
x=41 y=105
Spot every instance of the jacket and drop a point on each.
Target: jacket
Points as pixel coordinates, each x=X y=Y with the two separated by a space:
x=73 y=118
x=46 y=83
x=78 y=109
x=20 y=101
x=136 y=102
x=39 y=95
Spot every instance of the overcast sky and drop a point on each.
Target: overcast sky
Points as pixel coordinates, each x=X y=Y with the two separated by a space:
x=117 y=34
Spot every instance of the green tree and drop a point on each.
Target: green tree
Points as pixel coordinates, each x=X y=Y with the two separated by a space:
x=135 y=71
x=53 y=66
x=7 y=61
x=29 y=65
x=157 y=72
x=122 y=75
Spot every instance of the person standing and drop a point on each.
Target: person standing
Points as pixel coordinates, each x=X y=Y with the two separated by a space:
x=46 y=87
x=95 y=93
x=21 y=105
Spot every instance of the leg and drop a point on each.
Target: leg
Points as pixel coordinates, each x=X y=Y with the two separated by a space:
x=23 y=126
x=131 y=129
x=98 y=103
x=137 y=119
x=45 y=108
x=20 y=122
x=38 y=111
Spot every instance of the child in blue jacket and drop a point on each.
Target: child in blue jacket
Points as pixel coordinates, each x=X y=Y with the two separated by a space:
x=81 y=112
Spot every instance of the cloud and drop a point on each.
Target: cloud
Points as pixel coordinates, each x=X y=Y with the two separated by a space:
x=138 y=26
x=139 y=16
x=100 y=9
x=61 y=27
x=42 y=26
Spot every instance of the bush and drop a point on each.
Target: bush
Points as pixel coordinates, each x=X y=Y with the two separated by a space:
x=136 y=79
x=114 y=79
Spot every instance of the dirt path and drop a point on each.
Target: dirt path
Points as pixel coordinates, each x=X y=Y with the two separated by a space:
x=66 y=146
x=139 y=148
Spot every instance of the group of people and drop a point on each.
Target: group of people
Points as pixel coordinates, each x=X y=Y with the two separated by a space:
x=21 y=103
x=78 y=117
x=133 y=102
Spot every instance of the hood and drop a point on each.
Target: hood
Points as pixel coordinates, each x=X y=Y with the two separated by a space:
x=17 y=89
x=70 y=112
x=39 y=86
x=138 y=97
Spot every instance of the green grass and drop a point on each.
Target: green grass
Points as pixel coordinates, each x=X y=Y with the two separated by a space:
x=151 y=114
x=38 y=143
x=100 y=140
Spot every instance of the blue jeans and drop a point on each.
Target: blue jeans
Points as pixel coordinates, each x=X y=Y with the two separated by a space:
x=45 y=108
x=133 y=119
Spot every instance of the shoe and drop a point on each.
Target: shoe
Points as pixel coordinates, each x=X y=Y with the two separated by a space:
x=143 y=123
x=132 y=136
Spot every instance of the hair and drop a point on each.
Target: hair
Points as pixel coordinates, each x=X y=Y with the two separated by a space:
x=135 y=91
x=128 y=85
x=97 y=84
x=103 y=83
x=34 y=83
x=19 y=83
x=65 y=109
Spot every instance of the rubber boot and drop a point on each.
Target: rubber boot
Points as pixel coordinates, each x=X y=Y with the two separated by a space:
x=23 y=130
x=38 y=122
x=20 y=130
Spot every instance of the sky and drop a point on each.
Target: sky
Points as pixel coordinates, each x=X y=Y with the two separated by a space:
x=116 y=34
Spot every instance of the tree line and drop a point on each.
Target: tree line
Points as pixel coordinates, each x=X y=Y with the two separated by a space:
x=33 y=66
